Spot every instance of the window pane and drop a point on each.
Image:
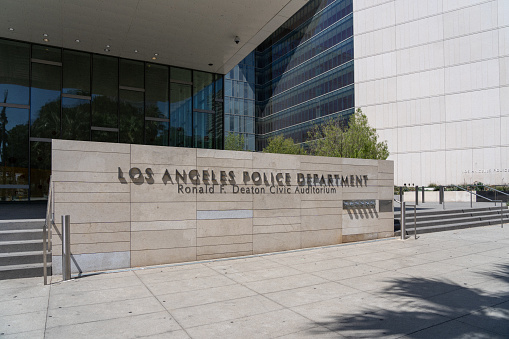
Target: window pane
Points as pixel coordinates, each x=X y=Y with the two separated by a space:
x=203 y=87
x=105 y=91
x=13 y=152
x=156 y=91
x=218 y=126
x=219 y=86
x=14 y=72
x=203 y=130
x=131 y=73
x=104 y=136
x=76 y=68
x=156 y=133
x=40 y=170
x=45 y=101
x=131 y=117
x=180 y=74
x=75 y=119
x=46 y=53
x=181 y=130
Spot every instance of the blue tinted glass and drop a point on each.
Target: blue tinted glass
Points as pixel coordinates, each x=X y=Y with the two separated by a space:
x=203 y=130
x=203 y=88
x=181 y=129
x=45 y=101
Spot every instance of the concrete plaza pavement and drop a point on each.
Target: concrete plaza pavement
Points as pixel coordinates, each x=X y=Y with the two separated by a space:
x=451 y=284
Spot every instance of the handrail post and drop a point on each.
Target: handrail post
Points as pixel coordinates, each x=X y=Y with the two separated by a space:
x=415 y=222
x=501 y=215
x=417 y=195
x=45 y=253
x=471 y=199
x=402 y=221
x=423 y=195
x=401 y=193
x=66 y=247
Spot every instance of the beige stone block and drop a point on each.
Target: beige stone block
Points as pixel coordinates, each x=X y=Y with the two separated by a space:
x=359 y=237
x=385 y=176
x=162 y=256
x=228 y=196
x=276 y=221
x=92 y=197
x=89 y=187
x=321 y=204
x=278 y=228
x=321 y=238
x=94 y=238
x=321 y=168
x=162 y=225
x=384 y=225
x=386 y=193
x=320 y=160
x=276 y=242
x=96 y=227
x=223 y=249
x=275 y=161
x=276 y=201
x=223 y=227
x=359 y=218
x=360 y=195
x=90 y=146
x=321 y=211
x=103 y=247
x=385 y=235
x=320 y=222
x=223 y=164
x=94 y=212
x=332 y=194
x=223 y=255
x=224 y=205
x=145 y=240
x=224 y=240
x=220 y=154
x=159 y=192
x=90 y=177
x=159 y=211
x=386 y=166
x=163 y=155
x=360 y=162
x=282 y=212
x=80 y=161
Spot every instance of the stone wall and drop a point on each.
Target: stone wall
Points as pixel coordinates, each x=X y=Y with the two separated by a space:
x=137 y=205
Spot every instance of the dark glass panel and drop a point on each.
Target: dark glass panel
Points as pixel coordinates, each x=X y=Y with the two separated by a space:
x=180 y=74
x=104 y=136
x=105 y=91
x=76 y=68
x=131 y=117
x=131 y=73
x=14 y=72
x=156 y=133
x=181 y=129
x=46 y=53
x=40 y=169
x=203 y=89
x=13 y=152
x=203 y=129
x=45 y=101
x=156 y=92
x=218 y=126
x=219 y=87
x=75 y=119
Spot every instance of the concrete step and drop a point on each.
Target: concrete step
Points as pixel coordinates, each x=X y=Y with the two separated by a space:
x=421 y=218
x=12 y=235
x=445 y=213
x=20 y=258
x=450 y=227
x=20 y=246
x=23 y=271
x=459 y=220
x=21 y=224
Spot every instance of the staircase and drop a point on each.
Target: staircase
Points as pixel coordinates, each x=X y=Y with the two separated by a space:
x=446 y=220
x=21 y=249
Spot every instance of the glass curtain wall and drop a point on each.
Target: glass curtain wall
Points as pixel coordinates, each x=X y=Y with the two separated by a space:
x=51 y=93
x=304 y=72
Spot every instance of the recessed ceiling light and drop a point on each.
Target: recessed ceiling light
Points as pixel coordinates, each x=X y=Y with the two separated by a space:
x=77 y=40
x=45 y=34
x=153 y=58
x=108 y=46
x=156 y=54
x=11 y=29
x=106 y=50
x=135 y=51
x=45 y=39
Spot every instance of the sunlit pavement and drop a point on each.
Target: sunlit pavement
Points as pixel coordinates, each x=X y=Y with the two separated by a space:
x=443 y=285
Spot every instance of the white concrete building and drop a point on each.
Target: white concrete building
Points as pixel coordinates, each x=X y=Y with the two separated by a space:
x=433 y=78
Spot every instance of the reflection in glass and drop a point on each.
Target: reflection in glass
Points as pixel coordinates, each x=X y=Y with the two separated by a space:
x=13 y=152
x=180 y=74
x=14 y=72
x=203 y=130
x=218 y=126
x=156 y=133
x=181 y=130
x=104 y=136
x=76 y=68
x=75 y=119
x=46 y=53
x=131 y=73
x=203 y=88
x=45 y=101
x=105 y=91
x=219 y=86
x=40 y=170
x=131 y=117
x=156 y=91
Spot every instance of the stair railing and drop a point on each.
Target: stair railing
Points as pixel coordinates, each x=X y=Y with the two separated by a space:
x=47 y=230
x=472 y=194
x=493 y=189
x=402 y=219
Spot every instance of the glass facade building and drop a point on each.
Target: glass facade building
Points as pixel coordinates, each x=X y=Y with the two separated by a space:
x=53 y=93
x=304 y=73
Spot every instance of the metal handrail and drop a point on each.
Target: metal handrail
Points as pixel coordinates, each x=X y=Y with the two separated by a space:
x=472 y=193
x=491 y=188
x=47 y=231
